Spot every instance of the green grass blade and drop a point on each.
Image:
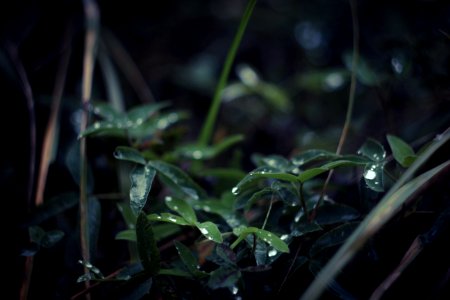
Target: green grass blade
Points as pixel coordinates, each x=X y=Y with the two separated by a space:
x=208 y=126
x=387 y=208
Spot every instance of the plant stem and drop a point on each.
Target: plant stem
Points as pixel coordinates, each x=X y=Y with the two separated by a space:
x=351 y=97
x=92 y=20
x=208 y=127
x=268 y=213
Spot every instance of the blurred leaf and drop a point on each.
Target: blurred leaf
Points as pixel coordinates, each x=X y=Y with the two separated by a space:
x=182 y=208
x=178 y=180
x=127 y=214
x=274 y=95
x=73 y=165
x=210 y=231
x=373 y=150
x=51 y=238
x=93 y=270
x=129 y=154
x=226 y=254
x=273 y=161
x=127 y=235
x=374 y=176
x=332 y=238
x=139 y=114
x=54 y=207
x=303 y=227
x=200 y=152
x=328 y=214
x=146 y=243
x=403 y=153
x=174 y=272
x=170 y=218
x=141 y=182
x=105 y=111
x=162 y=231
x=36 y=234
x=364 y=72
x=189 y=260
x=224 y=277
x=223 y=173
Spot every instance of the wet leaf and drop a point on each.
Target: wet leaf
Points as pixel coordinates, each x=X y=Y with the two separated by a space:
x=207 y=152
x=332 y=238
x=277 y=162
x=141 y=182
x=146 y=243
x=311 y=173
x=162 y=231
x=189 y=260
x=374 y=176
x=178 y=180
x=182 y=208
x=105 y=111
x=403 y=153
x=312 y=155
x=328 y=214
x=373 y=150
x=129 y=154
x=139 y=114
x=267 y=236
x=224 y=277
x=303 y=227
x=169 y=218
x=210 y=231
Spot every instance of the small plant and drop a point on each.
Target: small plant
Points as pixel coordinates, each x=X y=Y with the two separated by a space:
x=199 y=225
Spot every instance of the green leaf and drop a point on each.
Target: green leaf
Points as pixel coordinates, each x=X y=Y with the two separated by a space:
x=312 y=155
x=189 y=260
x=174 y=272
x=403 y=153
x=127 y=235
x=127 y=214
x=182 y=208
x=311 y=173
x=129 y=154
x=146 y=243
x=169 y=218
x=374 y=176
x=328 y=214
x=178 y=180
x=373 y=150
x=267 y=236
x=224 y=277
x=202 y=152
x=273 y=240
x=105 y=111
x=141 y=182
x=210 y=231
x=277 y=162
x=53 y=207
x=51 y=238
x=332 y=238
x=139 y=114
x=304 y=227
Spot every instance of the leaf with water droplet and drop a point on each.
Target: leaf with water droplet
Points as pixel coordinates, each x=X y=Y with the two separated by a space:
x=129 y=154
x=141 y=182
x=105 y=111
x=402 y=152
x=189 y=260
x=177 y=180
x=374 y=176
x=182 y=208
x=328 y=214
x=277 y=162
x=332 y=238
x=210 y=231
x=267 y=236
x=146 y=243
x=225 y=276
x=169 y=218
x=311 y=156
x=142 y=113
x=373 y=150
x=207 y=152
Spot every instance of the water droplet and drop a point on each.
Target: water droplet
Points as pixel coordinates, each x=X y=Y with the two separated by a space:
x=129 y=124
x=333 y=81
x=204 y=230
x=139 y=121
x=172 y=219
x=284 y=237
x=197 y=154
x=235 y=290
x=397 y=65
x=235 y=190
x=272 y=253
x=131 y=226
x=269 y=235
x=168 y=198
x=297 y=217
x=88 y=265
x=158 y=217
x=207 y=208
x=175 y=207
x=370 y=174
